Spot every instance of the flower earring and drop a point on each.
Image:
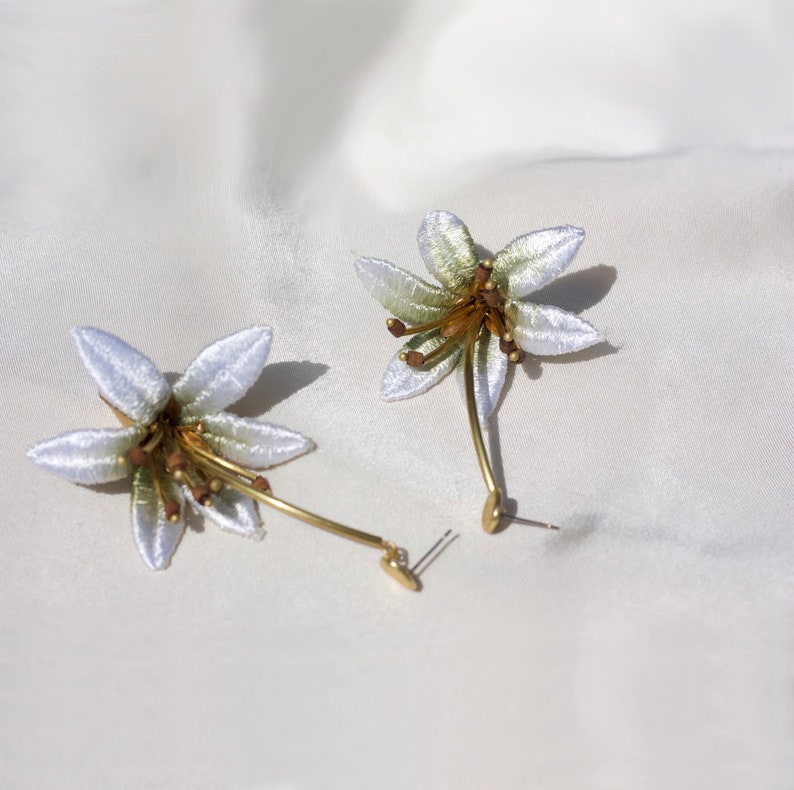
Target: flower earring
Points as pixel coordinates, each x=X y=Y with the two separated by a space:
x=180 y=447
x=477 y=322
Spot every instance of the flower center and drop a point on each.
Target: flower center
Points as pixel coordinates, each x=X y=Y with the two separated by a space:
x=176 y=453
x=480 y=305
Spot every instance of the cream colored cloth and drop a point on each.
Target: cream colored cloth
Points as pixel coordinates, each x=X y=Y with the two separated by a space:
x=173 y=172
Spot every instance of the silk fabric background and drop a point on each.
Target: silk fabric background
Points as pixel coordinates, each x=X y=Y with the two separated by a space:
x=175 y=171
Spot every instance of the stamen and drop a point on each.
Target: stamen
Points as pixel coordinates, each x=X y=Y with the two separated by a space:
x=261 y=484
x=453 y=339
x=171 y=510
x=490 y=295
x=156 y=438
x=481 y=274
x=517 y=356
x=487 y=264
x=138 y=456
x=459 y=310
x=403 y=356
x=201 y=493
x=395 y=326
x=507 y=337
x=215 y=485
x=175 y=464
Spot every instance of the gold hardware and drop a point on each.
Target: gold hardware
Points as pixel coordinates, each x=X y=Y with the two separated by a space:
x=493 y=510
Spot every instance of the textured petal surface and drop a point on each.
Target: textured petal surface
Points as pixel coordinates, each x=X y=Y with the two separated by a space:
x=87 y=457
x=545 y=331
x=410 y=299
x=402 y=381
x=224 y=371
x=531 y=261
x=447 y=249
x=155 y=536
x=233 y=512
x=125 y=377
x=490 y=368
x=253 y=443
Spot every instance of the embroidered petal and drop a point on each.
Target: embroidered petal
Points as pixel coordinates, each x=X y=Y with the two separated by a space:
x=531 y=261
x=253 y=443
x=125 y=377
x=490 y=367
x=224 y=371
x=407 y=297
x=402 y=381
x=544 y=330
x=87 y=457
x=155 y=536
x=232 y=511
x=447 y=249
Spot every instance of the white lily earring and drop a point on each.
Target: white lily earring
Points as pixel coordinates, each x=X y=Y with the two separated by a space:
x=180 y=447
x=477 y=321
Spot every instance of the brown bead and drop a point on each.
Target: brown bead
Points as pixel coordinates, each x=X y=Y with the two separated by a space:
x=260 y=484
x=492 y=298
x=202 y=495
x=415 y=359
x=396 y=327
x=176 y=462
x=171 y=511
x=506 y=348
x=138 y=456
x=481 y=274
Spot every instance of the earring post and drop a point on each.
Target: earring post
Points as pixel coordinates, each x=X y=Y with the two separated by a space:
x=390 y=561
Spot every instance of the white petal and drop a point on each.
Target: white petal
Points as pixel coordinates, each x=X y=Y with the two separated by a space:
x=87 y=457
x=125 y=377
x=447 y=249
x=490 y=367
x=233 y=512
x=155 y=536
x=224 y=371
x=402 y=381
x=410 y=299
x=531 y=261
x=545 y=331
x=253 y=443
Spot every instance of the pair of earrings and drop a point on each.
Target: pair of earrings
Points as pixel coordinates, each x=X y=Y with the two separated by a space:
x=183 y=449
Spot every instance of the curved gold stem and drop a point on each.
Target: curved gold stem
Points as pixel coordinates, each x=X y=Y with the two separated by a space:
x=492 y=511
x=390 y=561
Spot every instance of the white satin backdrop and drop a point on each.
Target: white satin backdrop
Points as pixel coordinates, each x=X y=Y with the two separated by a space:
x=173 y=172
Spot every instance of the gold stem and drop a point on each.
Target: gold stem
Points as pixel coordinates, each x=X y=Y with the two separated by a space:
x=492 y=511
x=390 y=562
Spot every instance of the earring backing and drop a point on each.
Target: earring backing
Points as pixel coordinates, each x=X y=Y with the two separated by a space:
x=478 y=321
x=181 y=447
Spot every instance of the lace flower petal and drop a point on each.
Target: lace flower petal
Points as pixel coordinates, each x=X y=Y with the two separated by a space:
x=224 y=371
x=155 y=536
x=89 y=456
x=447 y=249
x=125 y=377
x=531 y=261
x=405 y=296
x=547 y=331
